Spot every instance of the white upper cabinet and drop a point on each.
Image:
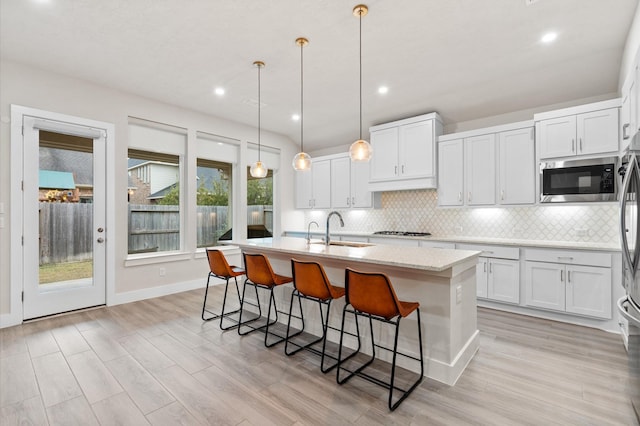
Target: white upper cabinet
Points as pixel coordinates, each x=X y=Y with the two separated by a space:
x=488 y=166
x=450 y=173
x=349 y=184
x=480 y=169
x=384 y=161
x=558 y=137
x=628 y=110
x=583 y=130
x=416 y=150
x=597 y=131
x=404 y=153
x=312 y=186
x=516 y=171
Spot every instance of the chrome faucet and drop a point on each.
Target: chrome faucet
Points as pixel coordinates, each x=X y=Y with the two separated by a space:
x=327 y=239
x=309 y=230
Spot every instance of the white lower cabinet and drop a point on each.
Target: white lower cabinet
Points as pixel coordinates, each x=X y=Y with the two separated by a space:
x=497 y=272
x=554 y=280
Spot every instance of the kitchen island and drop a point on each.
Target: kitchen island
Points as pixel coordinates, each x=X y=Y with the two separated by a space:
x=442 y=280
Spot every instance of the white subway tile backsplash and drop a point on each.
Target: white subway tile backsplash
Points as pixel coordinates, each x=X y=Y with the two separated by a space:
x=417 y=211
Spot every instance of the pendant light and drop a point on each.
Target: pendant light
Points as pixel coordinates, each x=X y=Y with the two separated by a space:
x=258 y=169
x=360 y=150
x=302 y=160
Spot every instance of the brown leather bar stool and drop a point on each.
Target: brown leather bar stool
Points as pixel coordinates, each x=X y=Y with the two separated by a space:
x=220 y=268
x=310 y=282
x=260 y=275
x=371 y=295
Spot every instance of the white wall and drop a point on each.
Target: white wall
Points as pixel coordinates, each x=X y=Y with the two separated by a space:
x=30 y=87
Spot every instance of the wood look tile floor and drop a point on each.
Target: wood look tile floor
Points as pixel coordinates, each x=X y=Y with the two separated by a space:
x=156 y=362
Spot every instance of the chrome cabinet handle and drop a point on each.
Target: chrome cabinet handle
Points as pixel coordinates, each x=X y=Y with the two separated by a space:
x=348 y=201
x=625 y=135
x=395 y=170
x=403 y=169
x=100 y=240
x=353 y=201
x=502 y=195
x=490 y=268
x=561 y=276
x=460 y=196
x=568 y=276
x=485 y=266
x=580 y=144
x=573 y=145
x=469 y=196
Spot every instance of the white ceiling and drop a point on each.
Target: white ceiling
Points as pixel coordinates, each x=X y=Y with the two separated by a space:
x=466 y=59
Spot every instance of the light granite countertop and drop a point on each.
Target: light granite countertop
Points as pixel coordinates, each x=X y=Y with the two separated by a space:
x=571 y=245
x=422 y=258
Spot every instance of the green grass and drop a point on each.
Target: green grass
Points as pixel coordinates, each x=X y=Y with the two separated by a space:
x=54 y=272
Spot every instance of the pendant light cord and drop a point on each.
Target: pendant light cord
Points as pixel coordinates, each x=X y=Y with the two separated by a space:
x=259 y=105
x=360 y=19
x=301 y=98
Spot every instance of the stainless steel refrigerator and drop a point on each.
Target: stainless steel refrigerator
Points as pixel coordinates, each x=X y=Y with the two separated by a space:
x=629 y=305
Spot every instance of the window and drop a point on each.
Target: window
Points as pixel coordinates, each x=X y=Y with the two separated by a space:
x=154 y=187
x=213 y=199
x=259 y=206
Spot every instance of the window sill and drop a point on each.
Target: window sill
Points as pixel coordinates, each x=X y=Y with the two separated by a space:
x=151 y=258
x=201 y=252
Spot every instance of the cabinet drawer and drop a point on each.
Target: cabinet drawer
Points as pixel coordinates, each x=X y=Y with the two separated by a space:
x=569 y=257
x=437 y=244
x=492 y=251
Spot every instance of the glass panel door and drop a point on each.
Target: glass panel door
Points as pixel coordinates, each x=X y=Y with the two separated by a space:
x=64 y=235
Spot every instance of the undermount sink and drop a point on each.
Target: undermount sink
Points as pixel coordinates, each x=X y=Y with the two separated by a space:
x=344 y=243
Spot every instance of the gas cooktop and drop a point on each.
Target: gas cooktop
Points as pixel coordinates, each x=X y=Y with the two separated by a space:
x=403 y=233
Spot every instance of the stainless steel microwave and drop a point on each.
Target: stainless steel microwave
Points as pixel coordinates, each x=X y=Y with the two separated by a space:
x=578 y=180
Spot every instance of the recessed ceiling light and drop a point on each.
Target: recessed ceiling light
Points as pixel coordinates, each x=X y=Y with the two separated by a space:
x=383 y=90
x=549 y=37
x=295 y=117
x=219 y=91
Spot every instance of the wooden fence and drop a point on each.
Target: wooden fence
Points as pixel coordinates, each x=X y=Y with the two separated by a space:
x=66 y=229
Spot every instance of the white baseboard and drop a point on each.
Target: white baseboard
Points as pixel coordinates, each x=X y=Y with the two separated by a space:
x=150 y=293
x=9 y=320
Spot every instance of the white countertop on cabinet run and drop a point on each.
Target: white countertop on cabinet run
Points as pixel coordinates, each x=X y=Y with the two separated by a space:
x=422 y=258
x=572 y=245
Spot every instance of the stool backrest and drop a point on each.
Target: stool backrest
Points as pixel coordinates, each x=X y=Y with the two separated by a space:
x=258 y=269
x=310 y=279
x=218 y=263
x=371 y=292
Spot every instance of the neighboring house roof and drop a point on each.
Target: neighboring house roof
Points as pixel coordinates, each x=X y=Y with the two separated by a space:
x=162 y=192
x=56 y=180
x=63 y=160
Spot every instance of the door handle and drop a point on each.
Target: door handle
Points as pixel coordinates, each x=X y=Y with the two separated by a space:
x=581 y=144
x=625 y=135
x=395 y=170
x=403 y=169
x=460 y=196
x=100 y=230
x=568 y=276
x=573 y=145
x=100 y=240
x=561 y=276
x=348 y=201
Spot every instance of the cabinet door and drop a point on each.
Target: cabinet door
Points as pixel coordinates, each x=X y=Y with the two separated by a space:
x=480 y=170
x=304 y=189
x=503 y=280
x=628 y=111
x=589 y=291
x=598 y=131
x=416 y=150
x=340 y=182
x=558 y=137
x=321 y=176
x=384 y=161
x=517 y=167
x=361 y=197
x=450 y=173
x=482 y=269
x=544 y=285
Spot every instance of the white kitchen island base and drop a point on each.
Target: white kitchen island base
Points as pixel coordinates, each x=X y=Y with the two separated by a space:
x=442 y=281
